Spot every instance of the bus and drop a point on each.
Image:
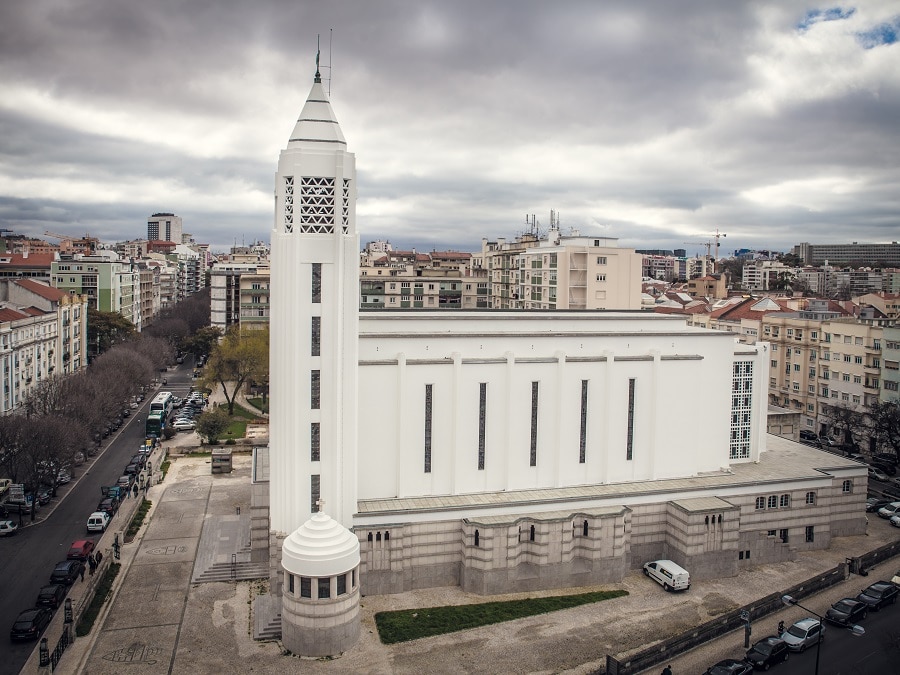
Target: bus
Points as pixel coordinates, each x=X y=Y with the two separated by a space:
x=156 y=422
x=164 y=401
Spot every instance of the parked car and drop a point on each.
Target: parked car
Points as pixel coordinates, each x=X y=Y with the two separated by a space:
x=184 y=425
x=805 y=633
x=891 y=509
x=66 y=572
x=875 y=503
x=8 y=528
x=730 y=667
x=878 y=595
x=888 y=457
x=878 y=474
x=768 y=652
x=64 y=476
x=109 y=505
x=30 y=624
x=133 y=468
x=44 y=495
x=885 y=467
x=847 y=612
x=80 y=549
x=125 y=481
x=98 y=521
x=51 y=596
x=895 y=521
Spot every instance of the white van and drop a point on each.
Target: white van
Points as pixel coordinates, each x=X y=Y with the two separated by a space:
x=98 y=521
x=670 y=576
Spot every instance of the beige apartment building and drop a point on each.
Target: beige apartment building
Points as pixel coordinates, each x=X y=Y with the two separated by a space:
x=819 y=364
x=562 y=272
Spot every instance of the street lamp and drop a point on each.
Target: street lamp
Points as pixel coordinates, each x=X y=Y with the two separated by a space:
x=855 y=629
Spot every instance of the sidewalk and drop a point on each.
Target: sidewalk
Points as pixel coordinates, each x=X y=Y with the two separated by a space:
x=159 y=622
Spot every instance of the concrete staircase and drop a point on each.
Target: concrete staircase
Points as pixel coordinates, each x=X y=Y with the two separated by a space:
x=237 y=571
x=224 y=553
x=266 y=618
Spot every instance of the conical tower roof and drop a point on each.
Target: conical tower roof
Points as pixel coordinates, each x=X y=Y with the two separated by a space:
x=317 y=123
x=321 y=547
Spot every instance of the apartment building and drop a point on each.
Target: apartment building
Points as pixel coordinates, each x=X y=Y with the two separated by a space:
x=844 y=254
x=766 y=275
x=816 y=365
x=43 y=331
x=111 y=285
x=890 y=365
x=562 y=272
x=239 y=294
x=27 y=266
x=165 y=226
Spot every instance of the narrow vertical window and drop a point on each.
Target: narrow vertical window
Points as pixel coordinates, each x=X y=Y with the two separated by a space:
x=531 y=534
x=534 y=423
x=810 y=534
x=582 y=448
x=428 y=428
x=324 y=587
x=317 y=282
x=305 y=587
x=629 y=451
x=314 y=378
x=342 y=584
x=290 y=583
x=584 y=530
x=315 y=337
x=477 y=539
x=482 y=408
x=314 y=442
x=314 y=493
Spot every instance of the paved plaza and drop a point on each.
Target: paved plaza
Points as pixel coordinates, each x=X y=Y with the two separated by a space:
x=158 y=621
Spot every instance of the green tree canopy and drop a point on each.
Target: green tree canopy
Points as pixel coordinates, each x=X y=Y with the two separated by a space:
x=106 y=329
x=241 y=356
x=212 y=424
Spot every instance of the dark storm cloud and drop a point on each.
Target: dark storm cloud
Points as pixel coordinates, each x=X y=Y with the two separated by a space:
x=654 y=120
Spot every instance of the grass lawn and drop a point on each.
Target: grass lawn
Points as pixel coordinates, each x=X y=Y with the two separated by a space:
x=259 y=404
x=412 y=624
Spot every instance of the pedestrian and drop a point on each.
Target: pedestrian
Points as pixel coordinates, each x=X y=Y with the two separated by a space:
x=92 y=566
x=98 y=557
x=667 y=670
x=780 y=628
x=82 y=572
x=135 y=490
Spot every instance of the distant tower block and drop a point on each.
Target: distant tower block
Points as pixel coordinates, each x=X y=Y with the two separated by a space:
x=320 y=596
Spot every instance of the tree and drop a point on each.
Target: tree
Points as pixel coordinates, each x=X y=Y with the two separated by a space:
x=885 y=417
x=203 y=341
x=847 y=423
x=241 y=356
x=212 y=424
x=106 y=329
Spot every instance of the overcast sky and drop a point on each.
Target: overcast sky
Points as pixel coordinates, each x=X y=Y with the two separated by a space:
x=654 y=122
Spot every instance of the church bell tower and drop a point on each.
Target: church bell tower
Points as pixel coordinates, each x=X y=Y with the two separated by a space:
x=314 y=322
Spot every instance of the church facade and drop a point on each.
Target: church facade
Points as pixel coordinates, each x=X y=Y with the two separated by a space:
x=511 y=450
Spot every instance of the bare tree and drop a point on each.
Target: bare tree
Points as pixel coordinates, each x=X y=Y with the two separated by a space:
x=885 y=417
x=849 y=425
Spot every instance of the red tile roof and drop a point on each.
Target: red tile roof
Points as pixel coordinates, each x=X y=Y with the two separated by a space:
x=42 y=290
x=11 y=315
x=31 y=261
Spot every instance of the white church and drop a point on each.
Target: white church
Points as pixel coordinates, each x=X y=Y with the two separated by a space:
x=501 y=451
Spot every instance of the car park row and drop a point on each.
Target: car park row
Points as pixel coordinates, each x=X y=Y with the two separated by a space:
x=809 y=632
x=82 y=555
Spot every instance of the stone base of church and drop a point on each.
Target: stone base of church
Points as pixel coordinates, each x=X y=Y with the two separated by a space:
x=319 y=628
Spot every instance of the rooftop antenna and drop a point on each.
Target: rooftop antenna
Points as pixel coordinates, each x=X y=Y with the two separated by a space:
x=330 y=35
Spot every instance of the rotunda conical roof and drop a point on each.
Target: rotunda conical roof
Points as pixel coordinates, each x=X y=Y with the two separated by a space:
x=321 y=547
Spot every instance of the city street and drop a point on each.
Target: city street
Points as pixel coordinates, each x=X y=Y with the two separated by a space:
x=28 y=557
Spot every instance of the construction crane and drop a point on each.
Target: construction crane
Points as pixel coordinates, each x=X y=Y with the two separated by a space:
x=709 y=244
x=85 y=244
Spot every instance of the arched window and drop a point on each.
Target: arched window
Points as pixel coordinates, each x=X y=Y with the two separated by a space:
x=477 y=538
x=531 y=535
x=584 y=527
x=378 y=536
x=387 y=536
x=720 y=519
x=370 y=536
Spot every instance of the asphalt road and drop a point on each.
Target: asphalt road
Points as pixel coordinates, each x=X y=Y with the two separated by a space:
x=875 y=653
x=28 y=557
